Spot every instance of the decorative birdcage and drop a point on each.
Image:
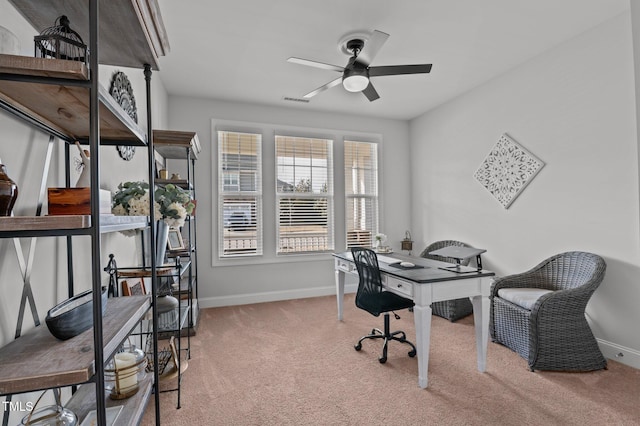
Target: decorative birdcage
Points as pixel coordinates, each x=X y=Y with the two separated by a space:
x=61 y=42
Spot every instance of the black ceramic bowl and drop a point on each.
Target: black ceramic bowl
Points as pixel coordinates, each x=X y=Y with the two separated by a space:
x=73 y=316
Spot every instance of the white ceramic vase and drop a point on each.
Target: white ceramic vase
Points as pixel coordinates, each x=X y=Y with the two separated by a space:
x=162 y=234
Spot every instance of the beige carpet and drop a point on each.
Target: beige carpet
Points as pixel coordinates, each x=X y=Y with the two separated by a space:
x=293 y=363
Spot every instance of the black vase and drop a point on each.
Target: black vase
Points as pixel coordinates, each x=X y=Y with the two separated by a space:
x=8 y=192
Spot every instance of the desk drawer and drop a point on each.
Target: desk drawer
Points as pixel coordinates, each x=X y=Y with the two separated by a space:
x=346 y=266
x=398 y=286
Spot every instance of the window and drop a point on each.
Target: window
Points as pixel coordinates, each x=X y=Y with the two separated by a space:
x=304 y=195
x=239 y=194
x=361 y=191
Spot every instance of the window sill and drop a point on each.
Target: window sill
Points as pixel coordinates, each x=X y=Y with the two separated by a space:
x=272 y=259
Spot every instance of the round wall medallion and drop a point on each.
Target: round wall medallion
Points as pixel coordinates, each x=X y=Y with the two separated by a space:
x=122 y=92
x=126 y=152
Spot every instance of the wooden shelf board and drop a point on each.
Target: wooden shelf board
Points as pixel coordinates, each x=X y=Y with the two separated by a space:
x=43 y=67
x=64 y=108
x=108 y=223
x=84 y=400
x=182 y=183
x=174 y=143
x=40 y=223
x=37 y=360
x=131 y=31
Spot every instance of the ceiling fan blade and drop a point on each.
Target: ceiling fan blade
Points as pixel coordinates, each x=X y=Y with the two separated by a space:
x=371 y=47
x=370 y=93
x=399 y=69
x=315 y=64
x=321 y=89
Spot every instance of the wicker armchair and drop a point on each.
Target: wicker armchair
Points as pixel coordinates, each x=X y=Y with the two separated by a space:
x=449 y=309
x=540 y=314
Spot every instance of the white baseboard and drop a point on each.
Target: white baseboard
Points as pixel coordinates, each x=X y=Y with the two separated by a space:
x=621 y=354
x=271 y=296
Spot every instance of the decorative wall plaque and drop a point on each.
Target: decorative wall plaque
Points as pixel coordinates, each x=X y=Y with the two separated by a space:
x=507 y=170
x=122 y=92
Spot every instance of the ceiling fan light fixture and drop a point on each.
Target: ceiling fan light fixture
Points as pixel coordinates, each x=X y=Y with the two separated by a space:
x=355 y=83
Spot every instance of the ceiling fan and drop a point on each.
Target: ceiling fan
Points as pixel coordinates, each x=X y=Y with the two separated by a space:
x=356 y=75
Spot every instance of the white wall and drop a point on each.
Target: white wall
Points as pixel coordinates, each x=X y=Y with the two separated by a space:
x=237 y=284
x=574 y=108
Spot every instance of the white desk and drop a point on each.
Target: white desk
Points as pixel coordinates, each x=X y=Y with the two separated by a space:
x=425 y=286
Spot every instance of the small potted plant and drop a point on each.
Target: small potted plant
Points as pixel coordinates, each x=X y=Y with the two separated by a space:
x=379 y=241
x=172 y=203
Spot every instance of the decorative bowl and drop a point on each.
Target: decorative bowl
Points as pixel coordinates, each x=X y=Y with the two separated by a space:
x=74 y=315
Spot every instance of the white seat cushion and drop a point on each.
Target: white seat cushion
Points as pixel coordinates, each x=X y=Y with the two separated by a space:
x=524 y=297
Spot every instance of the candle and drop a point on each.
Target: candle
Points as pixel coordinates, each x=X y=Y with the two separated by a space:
x=127 y=376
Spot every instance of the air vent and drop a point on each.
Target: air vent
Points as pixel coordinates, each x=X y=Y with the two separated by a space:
x=306 y=101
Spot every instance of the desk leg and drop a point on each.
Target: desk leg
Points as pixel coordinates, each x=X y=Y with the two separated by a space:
x=481 y=319
x=340 y=291
x=422 y=318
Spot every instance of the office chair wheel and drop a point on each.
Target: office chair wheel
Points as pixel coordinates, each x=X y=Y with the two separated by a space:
x=358 y=346
x=412 y=353
x=382 y=359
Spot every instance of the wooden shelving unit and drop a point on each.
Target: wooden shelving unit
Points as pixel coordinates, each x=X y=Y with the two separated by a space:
x=184 y=146
x=63 y=108
x=131 y=31
x=63 y=98
x=175 y=144
x=38 y=360
x=33 y=224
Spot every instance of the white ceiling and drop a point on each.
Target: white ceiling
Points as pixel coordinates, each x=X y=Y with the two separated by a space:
x=237 y=50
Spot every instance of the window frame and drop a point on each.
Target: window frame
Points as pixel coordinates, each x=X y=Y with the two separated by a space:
x=268 y=218
x=366 y=196
x=255 y=196
x=329 y=197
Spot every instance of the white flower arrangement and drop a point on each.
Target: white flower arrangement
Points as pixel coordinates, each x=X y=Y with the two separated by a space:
x=172 y=203
x=381 y=238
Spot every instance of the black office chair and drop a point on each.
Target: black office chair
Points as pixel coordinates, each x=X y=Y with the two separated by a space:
x=372 y=297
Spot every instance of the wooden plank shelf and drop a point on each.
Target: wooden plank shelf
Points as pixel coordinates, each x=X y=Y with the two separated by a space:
x=40 y=223
x=131 y=32
x=182 y=183
x=37 y=360
x=64 y=108
x=176 y=144
x=61 y=225
x=84 y=400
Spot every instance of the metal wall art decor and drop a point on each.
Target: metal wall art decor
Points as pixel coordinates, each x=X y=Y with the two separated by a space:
x=122 y=92
x=61 y=42
x=507 y=170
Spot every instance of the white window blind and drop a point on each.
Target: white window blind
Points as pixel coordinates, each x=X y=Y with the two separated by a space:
x=304 y=192
x=239 y=194
x=361 y=192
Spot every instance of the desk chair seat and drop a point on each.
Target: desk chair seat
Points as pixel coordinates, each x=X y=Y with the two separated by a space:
x=372 y=298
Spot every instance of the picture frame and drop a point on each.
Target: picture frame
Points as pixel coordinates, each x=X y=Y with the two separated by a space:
x=174 y=240
x=133 y=287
